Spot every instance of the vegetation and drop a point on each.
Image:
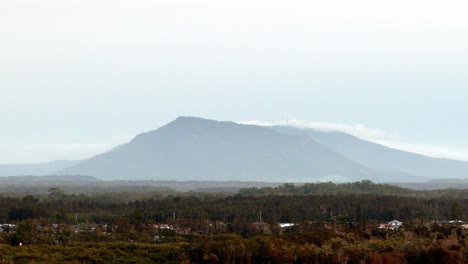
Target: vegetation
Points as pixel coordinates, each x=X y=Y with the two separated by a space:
x=329 y=224
x=362 y=187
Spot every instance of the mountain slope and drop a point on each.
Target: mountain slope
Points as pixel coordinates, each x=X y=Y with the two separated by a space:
x=380 y=157
x=200 y=149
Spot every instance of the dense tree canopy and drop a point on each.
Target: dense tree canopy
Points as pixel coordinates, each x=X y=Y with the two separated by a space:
x=332 y=224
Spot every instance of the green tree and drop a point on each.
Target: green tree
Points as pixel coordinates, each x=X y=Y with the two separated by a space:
x=56 y=194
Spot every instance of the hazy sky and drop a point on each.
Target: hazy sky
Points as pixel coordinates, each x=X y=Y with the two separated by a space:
x=79 y=76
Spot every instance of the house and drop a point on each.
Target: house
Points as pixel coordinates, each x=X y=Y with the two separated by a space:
x=163 y=226
x=392 y=225
x=7 y=228
x=285 y=225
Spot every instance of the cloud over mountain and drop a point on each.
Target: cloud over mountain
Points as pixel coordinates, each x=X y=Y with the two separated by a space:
x=375 y=135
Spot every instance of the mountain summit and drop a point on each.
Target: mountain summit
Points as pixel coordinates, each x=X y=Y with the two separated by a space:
x=191 y=148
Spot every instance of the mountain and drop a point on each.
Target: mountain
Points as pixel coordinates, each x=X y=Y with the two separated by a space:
x=380 y=157
x=192 y=148
x=37 y=169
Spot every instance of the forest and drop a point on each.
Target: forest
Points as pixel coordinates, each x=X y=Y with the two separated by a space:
x=308 y=223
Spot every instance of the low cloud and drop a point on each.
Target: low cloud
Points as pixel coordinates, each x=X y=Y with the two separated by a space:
x=358 y=130
x=431 y=150
x=378 y=136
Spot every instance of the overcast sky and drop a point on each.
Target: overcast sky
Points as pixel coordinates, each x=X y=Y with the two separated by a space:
x=80 y=76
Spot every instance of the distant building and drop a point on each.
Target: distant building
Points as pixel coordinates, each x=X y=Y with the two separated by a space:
x=163 y=226
x=286 y=225
x=7 y=228
x=392 y=225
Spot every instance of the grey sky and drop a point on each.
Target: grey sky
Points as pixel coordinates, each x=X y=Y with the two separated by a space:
x=77 y=77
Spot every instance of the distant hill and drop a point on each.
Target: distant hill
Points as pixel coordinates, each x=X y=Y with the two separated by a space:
x=192 y=148
x=37 y=169
x=50 y=179
x=380 y=157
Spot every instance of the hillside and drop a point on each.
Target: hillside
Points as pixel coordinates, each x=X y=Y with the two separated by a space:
x=199 y=149
x=380 y=157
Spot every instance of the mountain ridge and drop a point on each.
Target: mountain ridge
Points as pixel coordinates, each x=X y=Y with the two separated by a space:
x=381 y=157
x=193 y=148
